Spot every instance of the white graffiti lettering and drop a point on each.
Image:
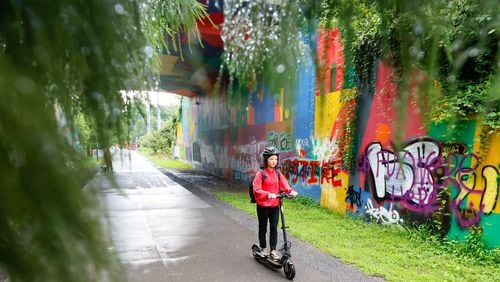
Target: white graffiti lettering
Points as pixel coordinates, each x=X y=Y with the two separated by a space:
x=406 y=175
x=325 y=150
x=382 y=215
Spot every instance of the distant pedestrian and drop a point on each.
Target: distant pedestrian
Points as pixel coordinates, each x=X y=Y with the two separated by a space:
x=176 y=152
x=266 y=189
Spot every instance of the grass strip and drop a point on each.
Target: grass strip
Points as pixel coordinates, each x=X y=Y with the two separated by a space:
x=163 y=161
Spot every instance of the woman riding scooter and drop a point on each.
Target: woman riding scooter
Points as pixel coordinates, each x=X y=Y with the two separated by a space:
x=266 y=189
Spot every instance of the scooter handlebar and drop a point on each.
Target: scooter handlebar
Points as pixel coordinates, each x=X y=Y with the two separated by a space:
x=284 y=195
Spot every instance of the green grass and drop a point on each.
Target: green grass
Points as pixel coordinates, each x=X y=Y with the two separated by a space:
x=393 y=253
x=89 y=162
x=86 y=170
x=163 y=161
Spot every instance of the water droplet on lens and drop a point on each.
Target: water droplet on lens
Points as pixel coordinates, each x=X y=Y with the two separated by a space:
x=473 y=52
x=119 y=9
x=97 y=96
x=25 y=85
x=85 y=50
x=148 y=50
x=413 y=51
x=116 y=111
x=419 y=29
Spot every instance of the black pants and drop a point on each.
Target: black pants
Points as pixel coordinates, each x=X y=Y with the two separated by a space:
x=265 y=213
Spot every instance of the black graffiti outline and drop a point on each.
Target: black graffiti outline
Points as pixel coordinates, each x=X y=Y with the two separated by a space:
x=354 y=197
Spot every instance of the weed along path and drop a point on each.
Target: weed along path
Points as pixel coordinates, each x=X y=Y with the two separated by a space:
x=163 y=232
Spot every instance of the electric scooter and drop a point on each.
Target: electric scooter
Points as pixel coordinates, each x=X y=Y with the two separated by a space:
x=285 y=262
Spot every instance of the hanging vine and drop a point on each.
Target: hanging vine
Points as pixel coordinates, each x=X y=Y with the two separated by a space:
x=263 y=42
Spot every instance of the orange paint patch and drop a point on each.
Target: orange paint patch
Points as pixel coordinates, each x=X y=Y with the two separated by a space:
x=382 y=133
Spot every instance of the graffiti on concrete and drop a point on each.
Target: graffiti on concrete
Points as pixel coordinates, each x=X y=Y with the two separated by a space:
x=382 y=215
x=282 y=141
x=406 y=175
x=208 y=154
x=196 y=152
x=415 y=175
x=243 y=166
x=302 y=145
x=312 y=172
x=303 y=170
x=353 y=197
x=330 y=171
x=245 y=160
x=470 y=203
x=454 y=147
x=326 y=150
x=489 y=198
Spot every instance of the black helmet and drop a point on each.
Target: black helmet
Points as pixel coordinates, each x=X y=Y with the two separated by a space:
x=269 y=151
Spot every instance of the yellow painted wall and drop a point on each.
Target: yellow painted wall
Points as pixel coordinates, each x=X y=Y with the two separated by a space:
x=327 y=109
x=334 y=197
x=488 y=178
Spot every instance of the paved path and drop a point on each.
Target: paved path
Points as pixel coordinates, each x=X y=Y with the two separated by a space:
x=165 y=232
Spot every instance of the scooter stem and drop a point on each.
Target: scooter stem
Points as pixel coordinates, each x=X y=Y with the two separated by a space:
x=283 y=226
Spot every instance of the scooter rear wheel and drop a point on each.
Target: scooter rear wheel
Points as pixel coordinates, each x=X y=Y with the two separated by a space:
x=289 y=270
x=255 y=250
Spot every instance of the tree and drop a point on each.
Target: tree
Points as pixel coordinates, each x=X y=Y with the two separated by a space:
x=162 y=141
x=85 y=136
x=156 y=141
x=169 y=132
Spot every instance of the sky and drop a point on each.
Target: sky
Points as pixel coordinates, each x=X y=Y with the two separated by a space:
x=163 y=98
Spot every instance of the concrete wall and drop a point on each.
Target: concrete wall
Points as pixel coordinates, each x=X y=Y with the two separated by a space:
x=386 y=184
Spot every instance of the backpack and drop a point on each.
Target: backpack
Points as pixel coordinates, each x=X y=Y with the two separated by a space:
x=250 y=185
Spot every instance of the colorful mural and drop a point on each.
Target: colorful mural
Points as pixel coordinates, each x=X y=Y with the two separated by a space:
x=404 y=170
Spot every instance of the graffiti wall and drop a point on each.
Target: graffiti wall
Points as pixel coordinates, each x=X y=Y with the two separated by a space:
x=402 y=171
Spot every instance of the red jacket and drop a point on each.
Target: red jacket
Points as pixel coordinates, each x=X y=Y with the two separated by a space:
x=270 y=185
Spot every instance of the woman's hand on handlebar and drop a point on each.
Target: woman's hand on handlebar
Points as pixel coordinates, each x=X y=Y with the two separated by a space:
x=287 y=195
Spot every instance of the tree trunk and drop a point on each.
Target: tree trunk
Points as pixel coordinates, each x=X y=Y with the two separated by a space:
x=108 y=160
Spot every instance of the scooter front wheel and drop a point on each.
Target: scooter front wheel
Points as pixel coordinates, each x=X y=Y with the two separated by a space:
x=289 y=269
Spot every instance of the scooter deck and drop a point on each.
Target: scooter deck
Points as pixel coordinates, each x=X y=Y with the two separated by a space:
x=266 y=260
x=270 y=263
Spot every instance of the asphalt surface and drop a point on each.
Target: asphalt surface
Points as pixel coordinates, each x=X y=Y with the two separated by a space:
x=167 y=226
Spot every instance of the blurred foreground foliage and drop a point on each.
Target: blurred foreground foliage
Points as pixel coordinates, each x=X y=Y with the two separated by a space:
x=63 y=67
